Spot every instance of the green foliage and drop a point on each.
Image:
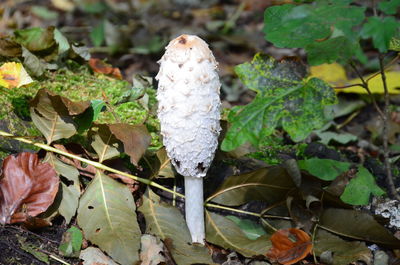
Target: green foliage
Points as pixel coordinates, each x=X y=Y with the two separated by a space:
x=357 y=191
x=284 y=97
x=381 y=30
x=360 y=188
x=324 y=26
x=325 y=169
x=71 y=242
x=389 y=7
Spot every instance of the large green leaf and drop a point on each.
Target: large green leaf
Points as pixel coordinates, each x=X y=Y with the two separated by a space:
x=360 y=188
x=381 y=30
x=343 y=252
x=267 y=184
x=390 y=7
x=168 y=224
x=357 y=225
x=316 y=28
x=225 y=233
x=70 y=193
x=51 y=117
x=284 y=95
x=107 y=217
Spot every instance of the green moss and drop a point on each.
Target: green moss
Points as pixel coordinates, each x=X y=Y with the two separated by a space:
x=82 y=85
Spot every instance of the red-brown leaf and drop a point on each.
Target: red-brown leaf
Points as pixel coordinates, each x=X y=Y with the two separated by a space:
x=99 y=66
x=27 y=188
x=285 y=251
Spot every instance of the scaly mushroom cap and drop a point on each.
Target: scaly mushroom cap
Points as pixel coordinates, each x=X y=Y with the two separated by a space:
x=189 y=104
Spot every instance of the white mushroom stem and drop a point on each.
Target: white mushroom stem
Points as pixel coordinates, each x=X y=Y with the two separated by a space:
x=189 y=113
x=194 y=209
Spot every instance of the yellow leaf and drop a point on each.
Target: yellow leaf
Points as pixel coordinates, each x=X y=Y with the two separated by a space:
x=14 y=75
x=375 y=84
x=333 y=73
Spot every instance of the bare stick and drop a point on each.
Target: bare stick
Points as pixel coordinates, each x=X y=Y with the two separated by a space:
x=385 y=119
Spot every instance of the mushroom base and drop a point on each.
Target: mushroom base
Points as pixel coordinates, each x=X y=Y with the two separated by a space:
x=194 y=208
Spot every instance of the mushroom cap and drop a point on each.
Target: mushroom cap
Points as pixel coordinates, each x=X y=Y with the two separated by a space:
x=189 y=104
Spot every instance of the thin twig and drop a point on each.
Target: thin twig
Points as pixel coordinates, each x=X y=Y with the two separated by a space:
x=90 y=162
x=386 y=67
x=385 y=119
x=342 y=87
x=366 y=87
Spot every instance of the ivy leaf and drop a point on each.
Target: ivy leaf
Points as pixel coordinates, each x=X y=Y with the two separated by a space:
x=284 y=96
x=381 y=30
x=389 y=7
x=294 y=26
x=360 y=188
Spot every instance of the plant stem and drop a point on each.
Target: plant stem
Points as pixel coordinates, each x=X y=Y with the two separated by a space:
x=385 y=119
x=365 y=86
x=90 y=162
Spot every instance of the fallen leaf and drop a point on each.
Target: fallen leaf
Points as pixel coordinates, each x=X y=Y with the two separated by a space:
x=94 y=256
x=285 y=251
x=332 y=73
x=28 y=187
x=100 y=66
x=14 y=75
x=71 y=242
x=151 y=250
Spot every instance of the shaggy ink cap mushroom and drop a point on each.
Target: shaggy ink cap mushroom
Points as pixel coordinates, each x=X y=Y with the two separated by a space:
x=189 y=113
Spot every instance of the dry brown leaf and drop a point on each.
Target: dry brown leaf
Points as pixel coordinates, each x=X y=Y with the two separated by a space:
x=27 y=188
x=286 y=251
x=99 y=66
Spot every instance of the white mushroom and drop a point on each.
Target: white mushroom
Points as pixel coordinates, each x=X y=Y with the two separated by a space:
x=189 y=112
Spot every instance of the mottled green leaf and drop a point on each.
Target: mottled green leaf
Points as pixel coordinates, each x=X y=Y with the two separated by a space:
x=394 y=44
x=284 y=95
x=381 y=30
x=357 y=225
x=360 y=188
x=167 y=223
x=71 y=242
x=35 y=39
x=225 y=233
x=325 y=169
x=389 y=7
x=107 y=217
x=266 y=184
x=343 y=252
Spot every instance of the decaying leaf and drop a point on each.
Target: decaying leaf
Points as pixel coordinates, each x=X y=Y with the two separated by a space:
x=167 y=223
x=53 y=114
x=151 y=250
x=268 y=184
x=14 y=75
x=94 y=256
x=111 y=139
x=224 y=232
x=108 y=219
x=100 y=66
x=71 y=242
x=342 y=251
x=286 y=251
x=27 y=188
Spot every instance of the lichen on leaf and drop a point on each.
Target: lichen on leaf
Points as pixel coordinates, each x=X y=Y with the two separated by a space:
x=284 y=97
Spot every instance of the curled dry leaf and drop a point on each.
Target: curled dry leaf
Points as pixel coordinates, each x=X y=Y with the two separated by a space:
x=27 y=188
x=99 y=66
x=286 y=251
